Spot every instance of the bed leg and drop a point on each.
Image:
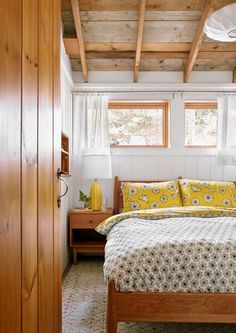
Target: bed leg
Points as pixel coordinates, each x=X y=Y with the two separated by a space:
x=111 y=309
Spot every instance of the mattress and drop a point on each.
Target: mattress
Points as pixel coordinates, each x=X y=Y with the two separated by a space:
x=172 y=254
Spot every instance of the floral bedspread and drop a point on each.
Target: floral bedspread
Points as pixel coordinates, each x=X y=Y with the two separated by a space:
x=172 y=250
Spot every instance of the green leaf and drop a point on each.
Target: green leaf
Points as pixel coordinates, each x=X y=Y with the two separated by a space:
x=83 y=197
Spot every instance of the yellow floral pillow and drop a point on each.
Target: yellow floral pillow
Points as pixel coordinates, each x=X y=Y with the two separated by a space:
x=139 y=196
x=207 y=193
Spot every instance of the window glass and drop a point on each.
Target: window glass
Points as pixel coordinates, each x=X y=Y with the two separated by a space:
x=200 y=124
x=136 y=127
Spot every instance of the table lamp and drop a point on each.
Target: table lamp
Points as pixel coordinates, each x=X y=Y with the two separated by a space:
x=96 y=167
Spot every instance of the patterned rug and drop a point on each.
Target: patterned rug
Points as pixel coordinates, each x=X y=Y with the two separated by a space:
x=84 y=303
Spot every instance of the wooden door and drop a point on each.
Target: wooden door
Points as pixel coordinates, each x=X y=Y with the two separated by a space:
x=30 y=283
x=10 y=166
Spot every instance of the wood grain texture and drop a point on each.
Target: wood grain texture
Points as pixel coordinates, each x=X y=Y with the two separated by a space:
x=200 y=105
x=29 y=236
x=72 y=49
x=176 y=307
x=10 y=155
x=29 y=167
x=139 y=38
x=80 y=37
x=106 y=15
x=155 y=64
x=170 y=26
x=127 y=64
x=234 y=75
x=155 y=55
x=162 y=65
x=111 y=319
x=154 y=31
x=45 y=170
x=214 y=65
x=57 y=283
x=209 y=8
x=97 y=5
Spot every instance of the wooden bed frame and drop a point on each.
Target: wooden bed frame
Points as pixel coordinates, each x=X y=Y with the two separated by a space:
x=162 y=306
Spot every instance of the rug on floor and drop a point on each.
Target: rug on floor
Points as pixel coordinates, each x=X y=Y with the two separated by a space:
x=84 y=304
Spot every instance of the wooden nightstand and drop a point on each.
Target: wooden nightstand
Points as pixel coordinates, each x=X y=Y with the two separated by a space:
x=83 y=236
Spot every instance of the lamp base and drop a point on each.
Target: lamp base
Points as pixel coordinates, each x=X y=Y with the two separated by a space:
x=95 y=195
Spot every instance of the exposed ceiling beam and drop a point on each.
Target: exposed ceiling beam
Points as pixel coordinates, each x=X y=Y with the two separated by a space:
x=234 y=75
x=142 y=5
x=209 y=7
x=152 y=55
x=72 y=47
x=108 y=5
x=79 y=33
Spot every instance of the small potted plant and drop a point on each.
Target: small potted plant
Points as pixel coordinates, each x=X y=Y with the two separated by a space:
x=84 y=199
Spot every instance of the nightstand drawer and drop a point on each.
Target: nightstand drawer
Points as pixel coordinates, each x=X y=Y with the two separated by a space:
x=87 y=222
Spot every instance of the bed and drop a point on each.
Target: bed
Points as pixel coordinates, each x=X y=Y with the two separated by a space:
x=202 y=304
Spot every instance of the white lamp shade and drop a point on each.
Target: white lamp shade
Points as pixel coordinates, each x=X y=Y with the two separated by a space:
x=96 y=167
x=222 y=24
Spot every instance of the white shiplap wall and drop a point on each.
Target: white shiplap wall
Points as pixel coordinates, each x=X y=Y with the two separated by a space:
x=163 y=167
x=66 y=115
x=164 y=164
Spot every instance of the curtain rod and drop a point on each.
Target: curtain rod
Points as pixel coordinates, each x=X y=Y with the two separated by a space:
x=154 y=91
x=152 y=88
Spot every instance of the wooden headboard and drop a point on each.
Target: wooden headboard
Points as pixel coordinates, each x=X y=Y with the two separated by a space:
x=118 y=196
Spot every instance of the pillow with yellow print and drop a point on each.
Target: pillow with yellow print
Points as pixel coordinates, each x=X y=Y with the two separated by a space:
x=207 y=193
x=139 y=196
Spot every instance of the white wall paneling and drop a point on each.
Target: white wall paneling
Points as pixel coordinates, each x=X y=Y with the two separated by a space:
x=66 y=106
x=162 y=167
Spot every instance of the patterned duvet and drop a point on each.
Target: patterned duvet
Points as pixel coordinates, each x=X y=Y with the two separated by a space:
x=172 y=254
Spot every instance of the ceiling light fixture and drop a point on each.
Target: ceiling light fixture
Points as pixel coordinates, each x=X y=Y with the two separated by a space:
x=221 y=25
x=232 y=33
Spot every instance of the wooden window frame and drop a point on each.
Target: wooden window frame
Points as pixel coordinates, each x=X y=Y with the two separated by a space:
x=116 y=104
x=194 y=106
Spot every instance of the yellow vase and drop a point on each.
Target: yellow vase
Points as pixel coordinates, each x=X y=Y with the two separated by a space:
x=95 y=195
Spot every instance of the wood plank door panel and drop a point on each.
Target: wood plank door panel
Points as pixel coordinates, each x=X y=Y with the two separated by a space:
x=29 y=166
x=10 y=154
x=30 y=134
x=57 y=162
x=45 y=169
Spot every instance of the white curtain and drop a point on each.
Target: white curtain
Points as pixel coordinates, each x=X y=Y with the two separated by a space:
x=226 y=143
x=91 y=131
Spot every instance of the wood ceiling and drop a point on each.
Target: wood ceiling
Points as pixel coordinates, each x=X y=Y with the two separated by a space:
x=144 y=35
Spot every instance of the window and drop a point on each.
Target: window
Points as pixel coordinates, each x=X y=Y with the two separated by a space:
x=136 y=123
x=200 y=124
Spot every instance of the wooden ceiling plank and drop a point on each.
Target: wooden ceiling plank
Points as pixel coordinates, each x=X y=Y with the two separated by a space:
x=153 y=55
x=110 y=55
x=152 y=5
x=217 y=55
x=234 y=75
x=209 y=7
x=214 y=65
x=217 y=47
x=154 y=31
x=149 y=50
x=154 y=65
x=124 y=15
x=71 y=46
x=79 y=33
x=139 y=38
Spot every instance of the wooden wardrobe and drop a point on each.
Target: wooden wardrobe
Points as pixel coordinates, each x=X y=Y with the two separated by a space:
x=30 y=129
